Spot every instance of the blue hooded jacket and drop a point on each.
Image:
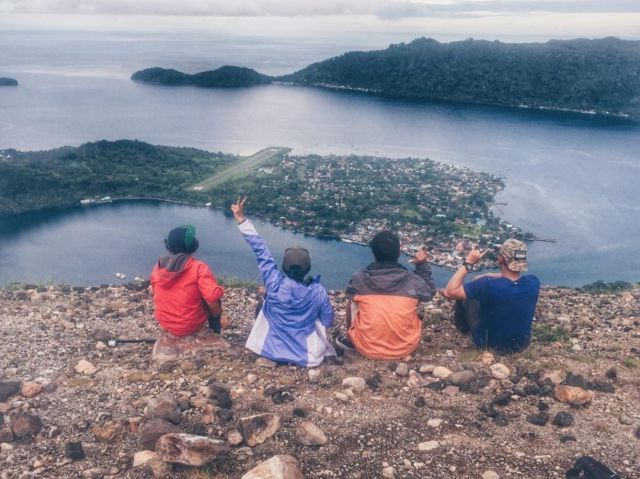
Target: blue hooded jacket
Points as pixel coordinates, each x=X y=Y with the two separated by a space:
x=291 y=326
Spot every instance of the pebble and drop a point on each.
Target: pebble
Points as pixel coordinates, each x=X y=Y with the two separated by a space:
x=251 y=378
x=434 y=422
x=563 y=419
x=31 y=389
x=234 y=438
x=428 y=446
x=388 y=472
x=74 y=451
x=308 y=434
x=441 y=372
x=487 y=358
x=499 y=371
x=427 y=368
x=539 y=419
x=341 y=397
x=625 y=420
x=85 y=367
x=141 y=458
x=356 y=384
x=490 y=475
x=314 y=375
x=402 y=370
x=266 y=363
x=572 y=395
x=460 y=378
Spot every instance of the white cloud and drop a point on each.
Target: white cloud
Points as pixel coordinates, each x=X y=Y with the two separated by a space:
x=260 y=8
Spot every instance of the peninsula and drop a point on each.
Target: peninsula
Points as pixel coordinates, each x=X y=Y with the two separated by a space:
x=588 y=76
x=430 y=204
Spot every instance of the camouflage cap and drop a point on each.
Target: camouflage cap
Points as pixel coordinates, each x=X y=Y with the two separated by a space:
x=514 y=253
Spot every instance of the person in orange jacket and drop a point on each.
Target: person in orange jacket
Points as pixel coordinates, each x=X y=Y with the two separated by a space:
x=185 y=291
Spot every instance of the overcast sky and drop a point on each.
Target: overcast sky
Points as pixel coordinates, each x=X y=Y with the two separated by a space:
x=542 y=17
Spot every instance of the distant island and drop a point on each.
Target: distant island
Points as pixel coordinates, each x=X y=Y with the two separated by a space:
x=4 y=81
x=428 y=203
x=224 y=77
x=589 y=76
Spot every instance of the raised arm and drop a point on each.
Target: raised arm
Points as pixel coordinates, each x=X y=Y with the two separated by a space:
x=266 y=264
x=455 y=288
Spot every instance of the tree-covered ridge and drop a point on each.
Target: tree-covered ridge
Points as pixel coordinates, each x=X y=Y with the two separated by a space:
x=64 y=176
x=588 y=75
x=223 y=77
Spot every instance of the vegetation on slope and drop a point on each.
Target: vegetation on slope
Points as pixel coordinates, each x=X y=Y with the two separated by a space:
x=223 y=77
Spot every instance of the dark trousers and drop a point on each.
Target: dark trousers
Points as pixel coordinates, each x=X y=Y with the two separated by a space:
x=215 y=324
x=466 y=315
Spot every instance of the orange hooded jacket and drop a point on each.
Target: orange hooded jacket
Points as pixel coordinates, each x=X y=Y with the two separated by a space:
x=182 y=289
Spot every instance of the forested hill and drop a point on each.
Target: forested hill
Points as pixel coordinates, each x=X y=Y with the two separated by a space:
x=223 y=77
x=590 y=75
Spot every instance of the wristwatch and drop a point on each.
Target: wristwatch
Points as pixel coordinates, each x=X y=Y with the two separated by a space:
x=468 y=266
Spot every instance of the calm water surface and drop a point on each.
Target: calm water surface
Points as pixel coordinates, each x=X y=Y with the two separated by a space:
x=569 y=177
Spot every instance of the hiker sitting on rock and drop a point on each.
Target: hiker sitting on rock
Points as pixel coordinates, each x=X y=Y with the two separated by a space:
x=496 y=308
x=382 y=319
x=185 y=291
x=291 y=324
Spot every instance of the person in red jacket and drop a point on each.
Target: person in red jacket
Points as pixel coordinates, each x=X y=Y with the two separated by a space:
x=185 y=291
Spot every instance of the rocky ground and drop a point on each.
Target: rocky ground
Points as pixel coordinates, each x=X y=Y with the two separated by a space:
x=72 y=406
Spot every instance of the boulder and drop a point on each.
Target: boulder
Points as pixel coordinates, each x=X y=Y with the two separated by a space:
x=164 y=406
x=308 y=434
x=572 y=395
x=354 y=383
x=189 y=449
x=169 y=348
x=153 y=430
x=499 y=371
x=257 y=429
x=282 y=466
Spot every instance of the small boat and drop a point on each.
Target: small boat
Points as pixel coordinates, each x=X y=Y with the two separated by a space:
x=121 y=276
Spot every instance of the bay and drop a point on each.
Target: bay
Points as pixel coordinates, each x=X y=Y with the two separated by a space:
x=569 y=177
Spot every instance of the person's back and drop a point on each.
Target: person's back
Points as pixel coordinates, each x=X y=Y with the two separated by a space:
x=382 y=318
x=496 y=308
x=184 y=288
x=507 y=308
x=291 y=324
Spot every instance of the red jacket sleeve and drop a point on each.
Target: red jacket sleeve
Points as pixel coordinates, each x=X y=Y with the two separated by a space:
x=209 y=288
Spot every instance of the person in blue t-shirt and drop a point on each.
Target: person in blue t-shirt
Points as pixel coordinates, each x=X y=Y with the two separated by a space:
x=496 y=308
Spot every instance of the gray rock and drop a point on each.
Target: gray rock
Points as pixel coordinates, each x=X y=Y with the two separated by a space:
x=8 y=389
x=189 y=449
x=257 y=429
x=563 y=419
x=402 y=369
x=308 y=434
x=165 y=407
x=354 y=383
x=460 y=378
x=153 y=430
x=281 y=466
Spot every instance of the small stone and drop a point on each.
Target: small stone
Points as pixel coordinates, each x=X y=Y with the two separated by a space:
x=25 y=425
x=341 y=397
x=434 y=422
x=638 y=433
x=563 y=419
x=164 y=406
x=107 y=432
x=402 y=370
x=500 y=419
x=74 y=451
x=554 y=376
x=490 y=475
x=576 y=380
x=499 y=371
x=282 y=466
x=314 y=375
x=85 y=367
x=487 y=358
x=572 y=395
x=8 y=389
x=625 y=420
x=388 y=472
x=189 y=449
x=415 y=380
x=100 y=346
x=539 y=419
x=611 y=374
x=251 y=378
x=427 y=368
x=451 y=390
x=141 y=458
x=153 y=430
x=428 y=446
x=257 y=429
x=502 y=399
x=356 y=384
x=441 y=372
x=308 y=434
x=266 y=363
x=4 y=446
x=94 y=473
x=31 y=389
x=234 y=438
x=460 y=378
x=6 y=434
x=565 y=439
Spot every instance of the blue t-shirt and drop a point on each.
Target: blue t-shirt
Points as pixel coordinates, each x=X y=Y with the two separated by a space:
x=506 y=311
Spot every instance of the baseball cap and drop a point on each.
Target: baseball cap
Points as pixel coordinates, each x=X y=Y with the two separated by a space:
x=296 y=256
x=515 y=254
x=182 y=239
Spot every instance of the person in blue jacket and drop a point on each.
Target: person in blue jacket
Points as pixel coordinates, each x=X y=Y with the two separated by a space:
x=296 y=312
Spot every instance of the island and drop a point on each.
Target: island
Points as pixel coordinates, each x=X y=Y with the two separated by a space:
x=442 y=207
x=223 y=77
x=588 y=76
x=4 y=81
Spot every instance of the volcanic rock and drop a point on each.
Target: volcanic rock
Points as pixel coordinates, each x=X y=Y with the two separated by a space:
x=189 y=449
x=257 y=429
x=25 y=425
x=563 y=419
x=153 y=430
x=8 y=389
